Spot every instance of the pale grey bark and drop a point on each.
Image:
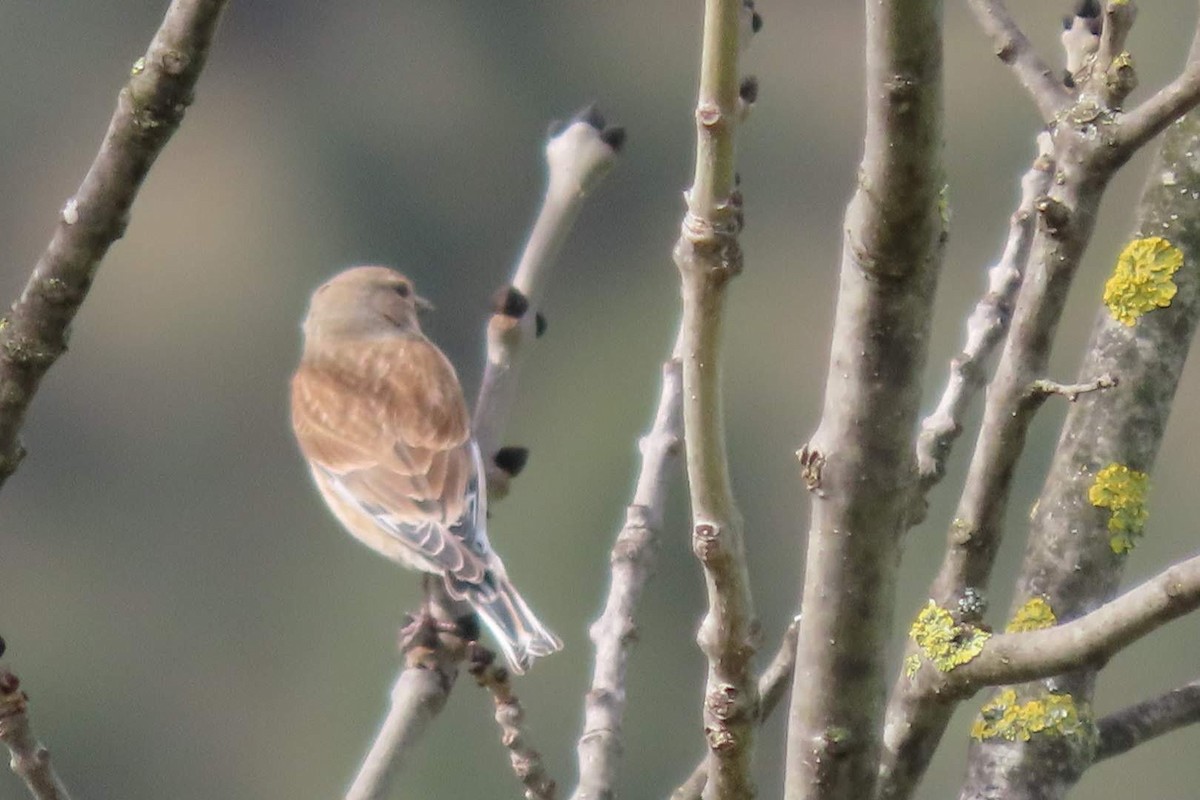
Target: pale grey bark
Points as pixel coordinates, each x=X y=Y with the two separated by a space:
x=28 y=758
x=859 y=465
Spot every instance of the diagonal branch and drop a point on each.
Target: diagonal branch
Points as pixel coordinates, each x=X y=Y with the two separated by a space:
x=150 y=107
x=986 y=326
x=1124 y=730
x=1153 y=116
x=578 y=158
x=1089 y=640
x=420 y=692
x=510 y=716
x=30 y=759
x=1014 y=49
x=633 y=557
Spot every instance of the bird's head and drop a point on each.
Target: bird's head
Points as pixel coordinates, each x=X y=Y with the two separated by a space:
x=364 y=301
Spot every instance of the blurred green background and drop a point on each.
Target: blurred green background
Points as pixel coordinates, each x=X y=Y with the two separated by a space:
x=188 y=619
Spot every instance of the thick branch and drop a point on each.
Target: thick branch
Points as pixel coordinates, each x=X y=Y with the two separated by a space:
x=708 y=256
x=986 y=326
x=30 y=759
x=577 y=159
x=149 y=109
x=859 y=465
x=1013 y=48
x=615 y=631
x=1124 y=730
x=510 y=716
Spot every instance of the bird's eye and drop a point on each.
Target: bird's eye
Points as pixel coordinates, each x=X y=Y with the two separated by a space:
x=402 y=289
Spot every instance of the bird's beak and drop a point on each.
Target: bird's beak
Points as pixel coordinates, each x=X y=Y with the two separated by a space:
x=422 y=304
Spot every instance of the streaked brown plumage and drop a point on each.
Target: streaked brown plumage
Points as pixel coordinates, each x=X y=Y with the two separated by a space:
x=379 y=415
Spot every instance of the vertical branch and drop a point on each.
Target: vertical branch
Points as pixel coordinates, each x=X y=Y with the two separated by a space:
x=859 y=465
x=149 y=110
x=615 y=631
x=708 y=256
x=30 y=759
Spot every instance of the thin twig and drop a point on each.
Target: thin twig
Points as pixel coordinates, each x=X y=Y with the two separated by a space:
x=986 y=326
x=773 y=685
x=1124 y=730
x=615 y=631
x=30 y=759
x=1013 y=48
x=577 y=158
x=708 y=256
x=510 y=716
x=149 y=109
x=1043 y=388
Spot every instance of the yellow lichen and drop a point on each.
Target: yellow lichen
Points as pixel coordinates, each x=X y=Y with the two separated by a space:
x=1034 y=615
x=1003 y=717
x=1142 y=279
x=912 y=663
x=1123 y=492
x=944 y=642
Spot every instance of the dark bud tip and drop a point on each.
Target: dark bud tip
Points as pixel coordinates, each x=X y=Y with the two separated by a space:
x=748 y=91
x=555 y=127
x=737 y=179
x=1088 y=9
x=592 y=116
x=9 y=683
x=1068 y=21
x=756 y=22
x=468 y=627
x=509 y=301
x=614 y=137
x=512 y=459
x=539 y=325
x=1068 y=80
x=3 y=646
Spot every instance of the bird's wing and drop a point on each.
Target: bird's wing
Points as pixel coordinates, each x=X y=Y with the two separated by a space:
x=386 y=425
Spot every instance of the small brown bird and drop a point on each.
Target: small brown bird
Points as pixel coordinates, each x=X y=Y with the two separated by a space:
x=380 y=416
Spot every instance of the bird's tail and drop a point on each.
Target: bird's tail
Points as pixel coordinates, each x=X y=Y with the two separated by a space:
x=521 y=636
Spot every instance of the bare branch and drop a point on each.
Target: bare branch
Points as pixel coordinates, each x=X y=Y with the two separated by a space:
x=633 y=557
x=986 y=326
x=577 y=159
x=1089 y=640
x=1042 y=388
x=1013 y=48
x=30 y=759
x=1124 y=730
x=773 y=684
x=418 y=695
x=149 y=109
x=1074 y=559
x=859 y=465
x=1153 y=116
x=510 y=716
x=708 y=256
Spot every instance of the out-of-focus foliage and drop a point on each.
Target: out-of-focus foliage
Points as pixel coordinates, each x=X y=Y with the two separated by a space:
x=184 y=612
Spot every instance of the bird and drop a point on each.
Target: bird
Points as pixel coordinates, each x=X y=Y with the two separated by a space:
x=380 y=417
